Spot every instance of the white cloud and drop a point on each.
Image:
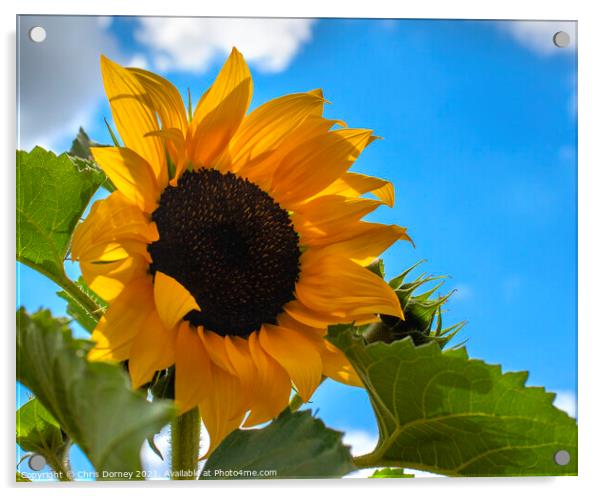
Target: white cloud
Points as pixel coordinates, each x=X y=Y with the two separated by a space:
x=537 y=36
x=567 y=401
x=361 y=442
x=59 y=79
x=158 y=468
x=151 y=462
x=194 y=44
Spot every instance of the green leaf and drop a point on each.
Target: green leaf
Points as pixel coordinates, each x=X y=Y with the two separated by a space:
x=38 y=431
x=80 y=146
x=22 y=478
x=86 y=318
x=390 y=473
x=52 y=194
x=92 y=402
x=443 y=412
x=294 y=445
x=377 y=267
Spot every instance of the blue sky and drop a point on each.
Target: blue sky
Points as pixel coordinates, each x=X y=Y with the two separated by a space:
x=479 y=128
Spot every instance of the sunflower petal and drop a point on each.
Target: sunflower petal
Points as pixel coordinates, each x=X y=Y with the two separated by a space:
x=336 y=366
x=334 y=363
x=216 y=348
x=176 y=148
x=273 y=385
x=366 y=241
x=164 y=99
x=114 y=251
x=173 y=300
x=153 y=349
x=296 y=354
x=315 y=164
x=223 y=411
x=107 y=280
x=194 y=375
x=124 y=319
x=134 y=115
x=327 y=219
x=240 y=357
x=339 y=287
x=353 y=185
x=221 y=110
x=264 y=129
x=131 y=175
x=261 y=169
x=312 y=318
x=113 y=219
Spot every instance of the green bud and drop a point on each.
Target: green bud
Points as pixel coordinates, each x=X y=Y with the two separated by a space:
x=422 y=320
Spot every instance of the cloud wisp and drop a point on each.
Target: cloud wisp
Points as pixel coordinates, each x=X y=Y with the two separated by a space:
x=195 y=44
x=537 y=36
x=59 y=79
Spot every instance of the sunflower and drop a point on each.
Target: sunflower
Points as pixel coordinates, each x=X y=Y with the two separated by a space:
x=232 y=241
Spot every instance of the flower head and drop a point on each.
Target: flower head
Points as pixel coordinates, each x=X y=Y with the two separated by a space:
x=232 y=241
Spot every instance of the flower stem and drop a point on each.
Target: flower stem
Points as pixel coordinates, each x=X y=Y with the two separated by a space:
x=60 y=465
x=185 y=440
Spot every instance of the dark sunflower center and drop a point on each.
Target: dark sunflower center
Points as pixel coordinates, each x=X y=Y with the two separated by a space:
x=231 y=245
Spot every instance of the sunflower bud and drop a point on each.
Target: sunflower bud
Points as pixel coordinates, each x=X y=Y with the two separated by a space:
x=422 y=313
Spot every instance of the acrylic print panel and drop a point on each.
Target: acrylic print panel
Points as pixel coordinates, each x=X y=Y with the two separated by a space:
x=295 y=248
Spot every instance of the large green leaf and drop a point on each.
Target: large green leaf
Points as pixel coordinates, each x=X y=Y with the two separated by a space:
x=443 y=412
x=295 y=445
x=38 y=431
x=52 y=194
x=92 y=402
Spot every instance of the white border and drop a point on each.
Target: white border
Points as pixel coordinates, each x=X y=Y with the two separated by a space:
x=590 y=246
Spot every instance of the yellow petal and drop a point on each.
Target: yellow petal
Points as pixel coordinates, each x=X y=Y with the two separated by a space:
x=365 y=241
x=315 y=164
x=130 y=174
x=124 y=319
x=176 y=149
x=312 y=318
x=107 y=280
x=240 y=357
x=113 y=219
x=153 y=349
x=194 y=375
x=134 y=115
x=221 y=110
x=264 y=129
x=336 y=366
x=164 y=98
x=273 y=385
x=114 y=251
x=262 y=168
x=353 y=184
x=173 y=300
x=296 y=355
x=334 y=363
x=339 y=287
x=223 y=410
x=327 y=219
x=216 y=348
